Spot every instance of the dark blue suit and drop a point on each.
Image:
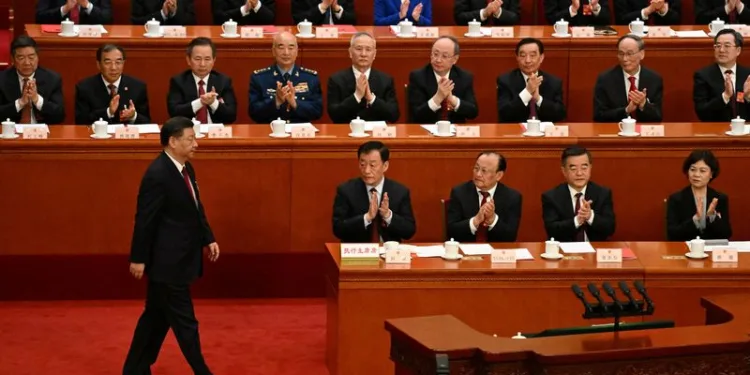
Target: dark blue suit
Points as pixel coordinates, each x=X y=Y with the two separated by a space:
x=386 y=12
x=262 y=108
x=48 y=12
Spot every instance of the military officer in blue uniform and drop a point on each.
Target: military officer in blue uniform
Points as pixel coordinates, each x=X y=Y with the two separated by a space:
x=285 y=90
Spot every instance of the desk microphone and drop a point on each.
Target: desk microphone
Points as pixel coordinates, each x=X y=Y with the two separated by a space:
x=611 y=293
x=579 y=293
x=595 y=292
x=642 y=291
x=625 y=290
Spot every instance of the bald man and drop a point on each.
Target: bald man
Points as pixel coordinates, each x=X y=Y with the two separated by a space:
x=285 y=90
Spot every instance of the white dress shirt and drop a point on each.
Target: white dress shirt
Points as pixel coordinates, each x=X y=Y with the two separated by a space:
x=626 y=77
x=39 y=102
x=379 y=188
x=180 y=167
x=117 y=89
x=336 y=14
x=494 y=221
x=245 y=10
x=644 y=17
x=435 y=106
x=740 y=7
x=357 y=74
x=526 y=96
x=573 y=193
x=734 y=80
x=196 y=104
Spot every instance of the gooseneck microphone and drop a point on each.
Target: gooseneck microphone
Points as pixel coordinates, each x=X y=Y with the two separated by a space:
x=626 y=290
x=595 y=292
x=611 y=293
x=642 y=291
x=579 y=293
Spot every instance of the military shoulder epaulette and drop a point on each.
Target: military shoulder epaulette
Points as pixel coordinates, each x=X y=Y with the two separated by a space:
x=308 y=70
x=262 y=70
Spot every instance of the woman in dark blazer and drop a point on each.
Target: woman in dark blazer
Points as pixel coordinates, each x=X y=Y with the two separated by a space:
x=698 y=210
x=388 y=12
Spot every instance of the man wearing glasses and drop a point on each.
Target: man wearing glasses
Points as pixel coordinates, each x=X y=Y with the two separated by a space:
x=441 y=90
x=628 y=89
x=719 y=90
x=111 y=95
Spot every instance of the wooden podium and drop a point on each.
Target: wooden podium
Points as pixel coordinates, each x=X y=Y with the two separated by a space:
x=721 y=346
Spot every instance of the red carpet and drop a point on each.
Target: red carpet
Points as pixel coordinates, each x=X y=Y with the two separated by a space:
x=239 y=337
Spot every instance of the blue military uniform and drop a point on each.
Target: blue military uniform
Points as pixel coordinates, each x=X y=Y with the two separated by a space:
x=262 y=108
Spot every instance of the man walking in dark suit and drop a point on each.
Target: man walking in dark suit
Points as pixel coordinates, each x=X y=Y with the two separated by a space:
x=483 y=209
x=170 y=233
x=82 y=12
x=30 y=94
x=629 y=89
x=721 y=91
x=372 y=208
x=493 y=12
x=528 y=92
x=202 y=92
x=441 y=90
x=111 y=95
x=244 y=12
x=578 y=210
x=361 y=91
x=168 y=12
x=324 y=12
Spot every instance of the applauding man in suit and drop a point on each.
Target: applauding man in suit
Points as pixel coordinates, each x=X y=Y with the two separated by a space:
x=617 y=94
x=654 y=12
x=441 y=90
x=577 y=12
x=361 y=91
x=527 y=92
x=244 y=12
x=201 y=92
x=111 y=95
x=82 y=12
x=372 y=208
x=170 y=233
x=168 y=12
x=324 y=12
x=483 y=209
x=731 y=11
x=492 y=12
x=578 y=210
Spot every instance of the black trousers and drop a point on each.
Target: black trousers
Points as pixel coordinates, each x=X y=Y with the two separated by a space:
x=167 y=306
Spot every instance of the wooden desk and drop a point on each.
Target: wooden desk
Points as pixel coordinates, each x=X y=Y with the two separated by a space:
x=577 y=62
x=499 y=299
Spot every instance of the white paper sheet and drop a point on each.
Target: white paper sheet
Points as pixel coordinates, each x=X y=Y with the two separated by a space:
x=369 y=125
x=288 y=127
x=476 y=248
x=142 y=128
x=101 y=28
x=433 y=128
x=430 y=251
x=691 y=34
x=543 y=125
x=487 y=31
x=20 y=127
x=523 y=254
x=740 y=246
x=576 y=247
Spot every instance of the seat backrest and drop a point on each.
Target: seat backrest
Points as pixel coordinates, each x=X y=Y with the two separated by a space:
x=666 y=223
x=444 y=215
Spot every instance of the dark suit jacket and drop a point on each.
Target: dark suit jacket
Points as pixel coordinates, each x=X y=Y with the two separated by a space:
x=422 y=87
x=629 y=10
x=387 y=12
x=343 y=107
x=680 y=211
x=709 y=10
x=92 y=100
x=510 y=107
x=465 y=11
x=708 y=85
x=182 y=91
x=610 y=98
x=464 y=205
x=308 y=10
x=224 y=10
x=559 y=215
x=352 y=203
x=48 y=12
x=143 y=11
x=49 y=86
x=170 y=229
x=555 y=10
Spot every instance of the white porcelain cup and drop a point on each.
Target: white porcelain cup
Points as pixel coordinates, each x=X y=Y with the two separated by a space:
x=552 y=247
x=100 y=128
x=67 y=27
x=357 y=126
x=9 y=128
x=697 y=247
x=196 y=127
x=716 y=25
x=390 y=245
x=229 y=28
x=304 y=27
x=636 y=27
x=277 y=126
x=405 y=27
x=451 y=249
x=738 y=126
x=152 y=27
x=533 y=126
x=627 y=125
x=561 y=27
x=475 y=27
x=444 y=127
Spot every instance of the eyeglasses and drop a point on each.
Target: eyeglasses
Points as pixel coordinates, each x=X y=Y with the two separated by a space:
x=723 y=46
x=628 y=54
x=117 y=62
x=482 y=171
x=438 y=56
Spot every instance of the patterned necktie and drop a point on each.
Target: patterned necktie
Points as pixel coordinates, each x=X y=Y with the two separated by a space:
x=581 y=232
x=112 y=90
x=376 y=221
x=75 y=14
x=26 y=110
x=482 y=229
x=202 y=114
x=632 y=88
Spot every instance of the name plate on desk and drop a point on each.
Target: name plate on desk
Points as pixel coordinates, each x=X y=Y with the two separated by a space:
x=251 y=32
x=502 y=32
x=609 y=255
x=428 y=32
x=659 y=32
x=175 y=31
x=467 y=131
x=219 y=132
x=34 y=132
x=303 y=132
x=652 y=130
x=398 y=256
x=359 y=250
x=384 y=132
x=582 y=31
x=326 y=32
x=89 y=31
x=724 y=256
x=503 y=256
x=127 y=132
x=556 y=131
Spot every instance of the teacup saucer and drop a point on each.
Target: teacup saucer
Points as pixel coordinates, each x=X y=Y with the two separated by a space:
x=458 y=257
x=556 y=35
x=101 y=137
x=67 y=35
x=638 y=34
x=552 y=257
x=691 y=256
x=624 y=134
x=443 y=134
x=200 y=135
x=298 y=35
x=729 y=132
x=359 y=135
x=147 y=35
x=533 y=134
x=412 y=35
x=230 y=35
x=285 y=135
x=471 y=35
x=10 y=136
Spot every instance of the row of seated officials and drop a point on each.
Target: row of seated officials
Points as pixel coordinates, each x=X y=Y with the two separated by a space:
x=373 y=208
x=438 y=91
x=390 y=12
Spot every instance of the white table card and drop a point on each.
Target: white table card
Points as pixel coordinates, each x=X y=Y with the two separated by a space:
x=127 y=132
x=609 y=255
x=503 y=256
x=582 y=31
x=251 y=32
x=724 y=256
x=652 y=130
x=220 y=132
x=303 y=132
x=659 y=32
x=384 y=132
x=34 y=132
x=398 y=256
x=428 y=32
x=502 y=32
x=556 y=131
x=174 y=31
x=89 y=31
x=467 y=131
x=326 y=32
x=359 y=250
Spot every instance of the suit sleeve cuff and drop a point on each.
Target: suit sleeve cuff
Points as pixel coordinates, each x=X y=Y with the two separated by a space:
x=472 y=228
x=39 y=103
x=18 y=105
x=214 y=105
x=434 y=107
x=390 y=217
x=571 y=12
x=257 y=7
x=493 y=222
x=339 y=13
x=525 y=96
x=597 y=10
x=458 y=104
x=357 y=98
x=372 y=100
x=591 y=219
x=482 y=17
x=89 y=8
x=196 y=104
x=367 y=222
x=499 y=13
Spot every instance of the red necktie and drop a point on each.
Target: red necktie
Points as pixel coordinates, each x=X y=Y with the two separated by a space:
x=186 y=177
x=443 y=106
x=733 y=16
x=202 y=114
x=532 y=109
x=482 y=229
x=733 y=98
x=75 y=14
x=374 y=233
x=26 y=111
x=580 y=233
x=632 y=88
